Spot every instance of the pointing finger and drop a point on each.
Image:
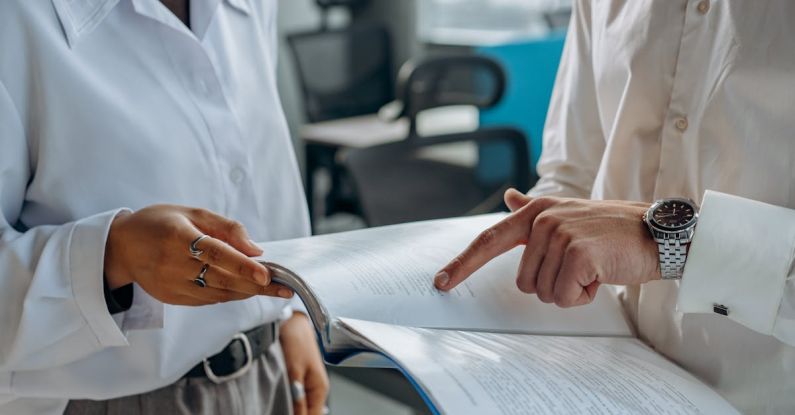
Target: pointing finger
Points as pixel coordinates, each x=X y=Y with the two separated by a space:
x=491 y=243
x=494 y=241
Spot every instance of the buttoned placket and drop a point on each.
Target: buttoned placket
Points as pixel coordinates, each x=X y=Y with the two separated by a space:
x=671 y=176
x=193 y=65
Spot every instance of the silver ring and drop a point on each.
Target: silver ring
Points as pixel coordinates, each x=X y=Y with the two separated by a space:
x=199 y=280
x=297 y=390
x=195 y=251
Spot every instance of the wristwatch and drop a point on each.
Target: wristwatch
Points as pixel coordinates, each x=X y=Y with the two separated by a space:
x=672 y=223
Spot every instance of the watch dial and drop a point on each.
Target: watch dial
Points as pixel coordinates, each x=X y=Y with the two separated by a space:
x=674 y=214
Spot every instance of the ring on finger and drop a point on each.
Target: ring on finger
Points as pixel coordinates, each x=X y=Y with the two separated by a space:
x=194 y=250
x=199 y=280
x=297 y=391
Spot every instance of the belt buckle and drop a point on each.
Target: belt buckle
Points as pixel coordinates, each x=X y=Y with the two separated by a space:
x=208 y=370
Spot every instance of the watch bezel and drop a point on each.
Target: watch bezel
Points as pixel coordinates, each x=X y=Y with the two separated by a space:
x=671 y=229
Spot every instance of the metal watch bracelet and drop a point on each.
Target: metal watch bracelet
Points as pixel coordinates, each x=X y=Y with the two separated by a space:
x=673 y=254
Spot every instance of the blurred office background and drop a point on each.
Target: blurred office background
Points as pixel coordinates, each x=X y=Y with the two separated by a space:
x=405 y=110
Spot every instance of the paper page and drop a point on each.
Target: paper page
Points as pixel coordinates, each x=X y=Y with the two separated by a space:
x=386 y=275
x=492 y=373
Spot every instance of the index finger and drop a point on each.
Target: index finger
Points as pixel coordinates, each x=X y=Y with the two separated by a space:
x=494 y=241
x=222 y=255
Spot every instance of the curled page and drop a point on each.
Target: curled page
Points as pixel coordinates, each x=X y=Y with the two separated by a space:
x=490 y=373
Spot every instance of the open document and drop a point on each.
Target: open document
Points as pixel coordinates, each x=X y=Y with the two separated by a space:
x=485 y=347
x=386 y=275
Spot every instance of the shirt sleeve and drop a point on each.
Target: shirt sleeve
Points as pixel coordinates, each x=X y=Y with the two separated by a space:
x=52 y=308
x=741 y=258
x=573 y=140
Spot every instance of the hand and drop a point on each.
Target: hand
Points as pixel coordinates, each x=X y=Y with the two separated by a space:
x=304 y=364
x=572 y=246
x=151 y=248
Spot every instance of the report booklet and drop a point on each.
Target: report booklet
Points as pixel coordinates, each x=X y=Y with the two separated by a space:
x=484 y=347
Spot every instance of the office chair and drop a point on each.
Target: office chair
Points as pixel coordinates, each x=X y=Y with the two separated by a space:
x=403 y=181
x=343 y=72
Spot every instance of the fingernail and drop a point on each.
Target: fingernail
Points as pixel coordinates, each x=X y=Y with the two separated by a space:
x=442 y=279
x=255 y=246
x=285 y=293
x=263 y=276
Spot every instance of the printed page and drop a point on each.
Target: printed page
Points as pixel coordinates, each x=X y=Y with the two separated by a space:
x=491 y=373
x=386 y=275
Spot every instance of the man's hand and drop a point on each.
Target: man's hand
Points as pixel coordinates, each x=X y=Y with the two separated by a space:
x=304 y=364
x=151 y=248
x=572 y=246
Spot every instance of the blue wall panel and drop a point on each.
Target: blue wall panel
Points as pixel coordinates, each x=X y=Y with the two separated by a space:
x=531 y=67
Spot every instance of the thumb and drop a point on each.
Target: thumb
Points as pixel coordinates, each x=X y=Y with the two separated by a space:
x=227 y=230
x=515 y=199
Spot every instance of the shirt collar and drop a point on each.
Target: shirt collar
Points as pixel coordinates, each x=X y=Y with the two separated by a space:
x=80 y=17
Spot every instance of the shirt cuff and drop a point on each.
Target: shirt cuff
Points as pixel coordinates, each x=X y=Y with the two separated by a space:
x=86 y=267
x=740 y=257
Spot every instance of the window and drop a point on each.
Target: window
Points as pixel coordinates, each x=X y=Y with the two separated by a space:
x=484 y=22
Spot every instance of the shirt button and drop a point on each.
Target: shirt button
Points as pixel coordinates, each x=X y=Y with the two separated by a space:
x=703 y=6
x=681 y=124
x=236 y=175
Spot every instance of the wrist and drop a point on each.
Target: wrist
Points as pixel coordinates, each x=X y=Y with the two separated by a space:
x=652 y=271
x=296 y=326
x=116 y=275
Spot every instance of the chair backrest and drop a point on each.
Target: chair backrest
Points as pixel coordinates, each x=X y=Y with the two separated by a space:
x=444 y=80
x=403 y=181
x=408 y=180
x=343 y=72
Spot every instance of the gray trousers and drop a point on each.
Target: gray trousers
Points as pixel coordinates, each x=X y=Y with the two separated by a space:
x=263 y=390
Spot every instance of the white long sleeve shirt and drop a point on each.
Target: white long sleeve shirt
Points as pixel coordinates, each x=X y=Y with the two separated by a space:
x=674 y=98
x=111 y=104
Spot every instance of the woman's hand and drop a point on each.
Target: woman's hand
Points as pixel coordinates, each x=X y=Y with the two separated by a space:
x=151 y=247
x=304 y=364
x=571 y=247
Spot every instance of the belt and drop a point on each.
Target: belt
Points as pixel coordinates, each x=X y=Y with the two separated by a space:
x=238 y=356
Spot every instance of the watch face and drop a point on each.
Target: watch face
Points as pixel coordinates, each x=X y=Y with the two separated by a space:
x=674 y=214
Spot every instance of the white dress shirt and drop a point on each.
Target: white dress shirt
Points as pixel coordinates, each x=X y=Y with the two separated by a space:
x=673 y=98
x=111 y=104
